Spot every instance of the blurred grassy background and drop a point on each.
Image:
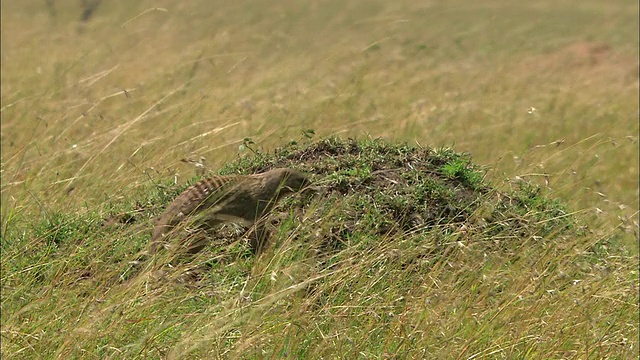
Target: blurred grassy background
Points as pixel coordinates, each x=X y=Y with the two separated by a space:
x=93 y=109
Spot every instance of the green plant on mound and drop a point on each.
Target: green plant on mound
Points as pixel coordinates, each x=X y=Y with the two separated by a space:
x=403 y=251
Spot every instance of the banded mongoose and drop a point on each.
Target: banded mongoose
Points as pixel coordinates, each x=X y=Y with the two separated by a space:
x=243 y=199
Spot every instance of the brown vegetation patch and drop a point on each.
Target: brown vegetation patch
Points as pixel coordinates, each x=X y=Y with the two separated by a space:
x=585 y=58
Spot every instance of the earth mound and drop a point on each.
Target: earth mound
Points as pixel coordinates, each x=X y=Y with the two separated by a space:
x=371 y=189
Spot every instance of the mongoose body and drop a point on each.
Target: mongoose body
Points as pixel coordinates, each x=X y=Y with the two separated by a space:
x=218 y=199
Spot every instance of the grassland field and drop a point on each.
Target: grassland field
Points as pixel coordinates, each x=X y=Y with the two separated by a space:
x=96 y=113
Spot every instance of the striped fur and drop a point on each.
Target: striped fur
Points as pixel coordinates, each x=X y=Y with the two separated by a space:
x=243 y=199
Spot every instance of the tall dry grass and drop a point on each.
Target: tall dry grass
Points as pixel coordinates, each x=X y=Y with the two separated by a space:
x=94 y=113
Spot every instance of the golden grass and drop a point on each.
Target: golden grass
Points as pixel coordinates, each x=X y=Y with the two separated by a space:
x=95 y=112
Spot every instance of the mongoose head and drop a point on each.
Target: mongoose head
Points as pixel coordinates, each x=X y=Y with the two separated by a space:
x=286 y=181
